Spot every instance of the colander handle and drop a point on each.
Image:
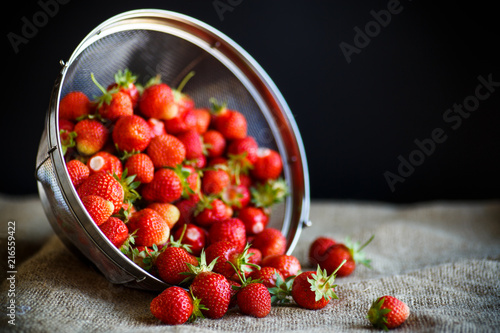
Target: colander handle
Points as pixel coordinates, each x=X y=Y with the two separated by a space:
x=43 y=167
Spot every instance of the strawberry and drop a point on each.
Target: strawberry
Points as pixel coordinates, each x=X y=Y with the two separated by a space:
x=113 y=103
x=267 y=275
x=74 y=105
x=104 y=185
x=236 y=196
x=210 y=210
x=166 y=151
x=157 y=127
x=91 y=136
x=270 y=241
x=141 y=166
x=186 y=207
x=173 y=262
x=104 y=161
x=255 y=256
x=215 y=180
x=143 y=256
x=234 y=290
x=230 y=123
x=203 y=118
x=184 y=121
x=267 y=165
x=247 y=146
x=115 y=230
x=149 y=228
x=166 y=186
x=192 y=143
x=254 y=218
x=194 y=236
x=231 y=230
x=183 y=101
x=175 y=306
x=131 y=134
x=99 y=209
x=213 y=289
x=351 y=252
x=229 y=259
x=157 y=101
x=269 y=193
x=192 y=180
x=254 y=300
x=318 y=248
x=314 y=290
x=215 y=143
x=125 y=82
x=77 y=171
x=66 y=134
x=288 y=265
x=167 y=211
x=388 y=312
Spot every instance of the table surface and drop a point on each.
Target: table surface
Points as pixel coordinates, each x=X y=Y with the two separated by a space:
x=441 y=258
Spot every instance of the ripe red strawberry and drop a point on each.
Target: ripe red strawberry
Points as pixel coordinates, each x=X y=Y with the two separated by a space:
x=388 y=312
x=318 y=248
x=267 y=275
x=192 y=143
x=125 y=82
x=210 y=210
x=115 y=230
x=254 y=218
x=149 y=228
x=288 y=265
x=175 y=306
x=267 y=165
x=247 y=146
x=270 y=241
x=157 y=127
x=77 y=171
x=203 y=119
x=254 y=300
x=215 y=143
x=214 y=291
x=91 y=136
x=106 y=162
x=351 y=252
x=172 y=263
x=230 y=123
x=140 y=165
x=186 y=207
x=166 y=186
x=192 y=180
x=230 y=260
x=313 y=290
x=99 y=209
x=113 y=103
x=215 y=180
x=157 y=101
x=104 y=185
x=74 y=105
x=166 y=151
x=184 y=121
x=255 y=256
x=231 y=230
x=236 y=196
x=131 y=134
x=194 y=236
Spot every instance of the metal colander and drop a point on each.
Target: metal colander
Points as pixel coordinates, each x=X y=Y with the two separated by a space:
x=150 y=42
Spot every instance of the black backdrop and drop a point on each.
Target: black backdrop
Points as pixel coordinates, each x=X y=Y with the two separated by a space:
x=367 y=103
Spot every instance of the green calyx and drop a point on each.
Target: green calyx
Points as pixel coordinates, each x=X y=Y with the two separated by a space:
x=107 y=95
x=269 y=193
x=197 y=308
x=202 y=266
x=216 y=108
x=178 y=243
x=68 y=141
x=129 y=186
x=124 y=78
x=355 y=248
x=283 y=291
x=243 y=266
x=237 y=165
x=322 y=283
x=378 y=316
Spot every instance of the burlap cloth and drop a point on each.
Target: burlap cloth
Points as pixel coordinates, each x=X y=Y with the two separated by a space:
x=441 y=258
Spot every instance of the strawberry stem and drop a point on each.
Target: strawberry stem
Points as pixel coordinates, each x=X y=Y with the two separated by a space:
x=185 y=81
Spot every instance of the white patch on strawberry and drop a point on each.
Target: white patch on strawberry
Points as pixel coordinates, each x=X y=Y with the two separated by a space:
x=263 y=151
x=192 y=234
x=257 y=227
x=96 y=163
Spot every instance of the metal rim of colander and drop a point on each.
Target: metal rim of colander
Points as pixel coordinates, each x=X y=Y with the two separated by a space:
x=252 y=76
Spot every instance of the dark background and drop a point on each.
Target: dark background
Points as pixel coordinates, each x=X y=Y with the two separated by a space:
x=355 y=118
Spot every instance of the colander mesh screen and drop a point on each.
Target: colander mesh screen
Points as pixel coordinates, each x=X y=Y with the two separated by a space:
x=148 y=53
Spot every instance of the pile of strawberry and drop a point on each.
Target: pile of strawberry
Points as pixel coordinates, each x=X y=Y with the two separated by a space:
x=187 y=194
